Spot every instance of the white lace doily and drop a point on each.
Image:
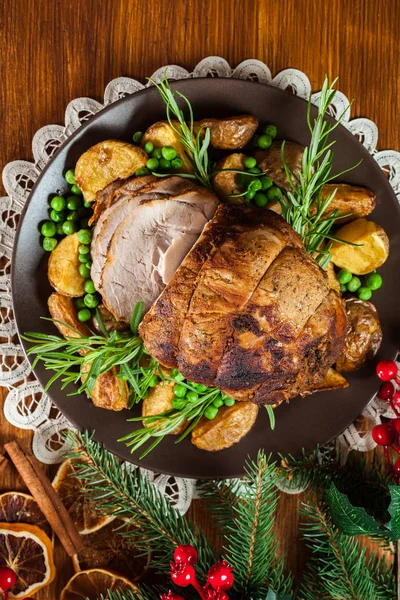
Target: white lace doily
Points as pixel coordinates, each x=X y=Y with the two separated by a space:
x=26 y=406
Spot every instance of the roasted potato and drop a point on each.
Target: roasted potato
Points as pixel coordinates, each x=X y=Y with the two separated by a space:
x=359 y=201
x=62 y=309
x=105 y=162
x=230 y=133
x=371 y=253
x=63 y=268
x=332 y=279
x=363 y=337
x=332 y=381
x=228 y=427
x=225 y=184
x=159 y=400
x=270 y=161
x=162 y=134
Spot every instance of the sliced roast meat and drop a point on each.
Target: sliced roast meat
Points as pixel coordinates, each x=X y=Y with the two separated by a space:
x=149 y=243
x=110 y=194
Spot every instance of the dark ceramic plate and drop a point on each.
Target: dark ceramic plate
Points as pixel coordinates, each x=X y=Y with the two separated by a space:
x=303 y=423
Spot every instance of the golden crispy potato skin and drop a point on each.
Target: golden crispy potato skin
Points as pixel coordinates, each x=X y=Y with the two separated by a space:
x=105 y=162
x=229 y=426
x=364 y=335
x=62 y=308
x=359 y=201
x=162 y=134
x=332 y=381
x=371 y=253
x=225 y=184
x=270 y=161
x=63 y=268
x=231 y=133
x=160 y=400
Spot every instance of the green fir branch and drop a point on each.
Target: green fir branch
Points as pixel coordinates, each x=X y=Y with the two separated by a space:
x=118 y=492
x=142 y=593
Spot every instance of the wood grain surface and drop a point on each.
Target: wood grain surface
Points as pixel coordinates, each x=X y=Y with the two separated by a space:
x=53 y=51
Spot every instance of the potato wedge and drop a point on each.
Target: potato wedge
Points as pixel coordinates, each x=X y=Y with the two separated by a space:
x=230 y=133
x=332 y=381
x=270 y=161
x=63 y=267
x=225 y=184
x=162 y=134
x=332 y=279
x=62 y=308
x=159 y=400
x=105 y=162
x=359 y=201
x=369 y=255
x=363 y=337
x=228 y=427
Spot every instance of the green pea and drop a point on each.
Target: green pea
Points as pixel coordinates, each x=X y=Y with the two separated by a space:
x=84 y=315
x=80 y=303
x=137 y=137
x=274 y=193
x=84 y=270
x=200 y=387
x=249 y=162
x=148 y=147
x=58 y=203
x=84 y=258
x=260 y=200
x=89 y=265
x=84 y=223
x=211 y=412
x=57 y=217
x=266 y=183
x=364 y=293
x=218 y=402
x=271 y=130
x=48 y=229
x=83 y=249
x=344 y=276
x=343 y=288
x=255 y=185
x=174 y=372
x=168 y=152
x=73 y=203
x=156 y=153
x=73 y=215
x=176 y=163
x=354 y=284
x=229 y=401
x=373 y=281
x=152 y=164
x=264 y=141
x=88 y=286
x=164 y=163
x=91 y=300
x=85 y=236
x=70 y=227
x=180 y=390
x=87 y=204
x=59 y=229
x=76 y=190
x=255 y=170
x=178 y=403
x=49 y=243
x=70 y=176
x=192 y=396
x=249 y=195
x=154 y=380
x=142 y=171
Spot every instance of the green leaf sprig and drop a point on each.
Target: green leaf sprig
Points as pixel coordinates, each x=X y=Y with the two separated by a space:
x=303 y=206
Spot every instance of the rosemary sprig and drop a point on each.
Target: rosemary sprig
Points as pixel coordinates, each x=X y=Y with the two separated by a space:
x=196 y=145
x=302 y=206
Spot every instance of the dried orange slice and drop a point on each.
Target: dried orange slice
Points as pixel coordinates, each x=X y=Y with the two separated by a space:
x=16 y=507
x=70 y=489
x=26 y=550
x=108 y=548
x=90 y=584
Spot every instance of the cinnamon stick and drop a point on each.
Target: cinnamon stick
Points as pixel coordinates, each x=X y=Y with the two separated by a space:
x=50 y=504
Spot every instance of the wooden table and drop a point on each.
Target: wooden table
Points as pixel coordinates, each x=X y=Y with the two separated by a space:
x=55 y=51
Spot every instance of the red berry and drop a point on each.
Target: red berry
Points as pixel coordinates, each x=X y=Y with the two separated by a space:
x=396 y=424
x=7 y=578
x=386 y=391
x=396 y=398
x=212 y=594
x=386 y=370
x=385 y=434
x=183 y=574
x=169 y=596
x=220 y=576
x=185 y=553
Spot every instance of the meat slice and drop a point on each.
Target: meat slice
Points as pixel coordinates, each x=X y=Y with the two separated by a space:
x=110 y=194
x=149 y=244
